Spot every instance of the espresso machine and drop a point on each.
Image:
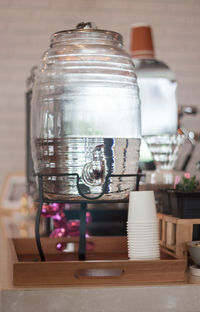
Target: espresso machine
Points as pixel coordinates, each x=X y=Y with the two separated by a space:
x=159 y=107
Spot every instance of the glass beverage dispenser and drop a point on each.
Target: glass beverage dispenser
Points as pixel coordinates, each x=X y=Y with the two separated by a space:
x=86 y=115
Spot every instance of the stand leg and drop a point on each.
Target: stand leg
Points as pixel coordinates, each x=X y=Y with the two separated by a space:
x=37 y=220
x=47 y=226
x=138 y=179
x=137 y=183
x=82 y=242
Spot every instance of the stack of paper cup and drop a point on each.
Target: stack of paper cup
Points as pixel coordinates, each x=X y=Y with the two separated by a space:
x=142 y=227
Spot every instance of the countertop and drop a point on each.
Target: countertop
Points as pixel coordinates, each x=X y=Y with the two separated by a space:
x=165 y=298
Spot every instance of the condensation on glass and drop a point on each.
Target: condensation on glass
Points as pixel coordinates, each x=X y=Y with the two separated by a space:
x=86 y=114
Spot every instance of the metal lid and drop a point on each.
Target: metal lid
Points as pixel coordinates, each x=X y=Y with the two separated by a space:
x=86 y=31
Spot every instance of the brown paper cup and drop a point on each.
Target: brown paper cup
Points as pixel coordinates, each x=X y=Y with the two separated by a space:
x=141 y=42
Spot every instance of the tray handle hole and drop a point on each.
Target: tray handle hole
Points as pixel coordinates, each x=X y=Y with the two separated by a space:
x=98 y=273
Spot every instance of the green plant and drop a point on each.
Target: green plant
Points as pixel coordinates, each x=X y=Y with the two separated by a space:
x=187 y=184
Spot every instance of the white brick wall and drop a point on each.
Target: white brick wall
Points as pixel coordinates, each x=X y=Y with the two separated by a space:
x=25 y=27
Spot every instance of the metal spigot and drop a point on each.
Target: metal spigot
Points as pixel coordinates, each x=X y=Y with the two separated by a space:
x=187 y=110
x=93 y=173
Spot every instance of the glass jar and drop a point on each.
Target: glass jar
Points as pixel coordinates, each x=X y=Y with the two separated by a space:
x=86 y=115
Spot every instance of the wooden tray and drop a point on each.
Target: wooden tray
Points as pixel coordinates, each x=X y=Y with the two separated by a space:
x=106 y=264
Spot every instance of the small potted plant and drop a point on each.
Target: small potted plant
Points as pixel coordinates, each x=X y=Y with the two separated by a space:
x=185 y=197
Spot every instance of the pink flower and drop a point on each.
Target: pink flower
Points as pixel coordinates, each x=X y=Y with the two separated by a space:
x=187 y=175
x=176 y=181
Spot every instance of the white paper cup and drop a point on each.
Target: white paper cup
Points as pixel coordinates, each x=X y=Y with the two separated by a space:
x=133 y=229
x=144 y=236
x=156 y=253
x=143 y=244
x=144 y=229
x=142 y=207
x=143 y=247
x=144 y=250
x=142 y=223
x=151 y=242
x=140 y=233
x=145 y=253
x=144 y=258
x=149 y=232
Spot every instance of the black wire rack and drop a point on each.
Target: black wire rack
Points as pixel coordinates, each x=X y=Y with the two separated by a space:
x=84 y=201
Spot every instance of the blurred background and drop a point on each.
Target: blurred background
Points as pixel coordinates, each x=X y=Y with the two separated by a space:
x=25 y=30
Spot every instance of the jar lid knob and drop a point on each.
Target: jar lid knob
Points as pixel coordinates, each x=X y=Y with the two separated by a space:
x=87 y=25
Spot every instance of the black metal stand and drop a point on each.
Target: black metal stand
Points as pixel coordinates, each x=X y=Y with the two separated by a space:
x=83 y=207
x=82 y=240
